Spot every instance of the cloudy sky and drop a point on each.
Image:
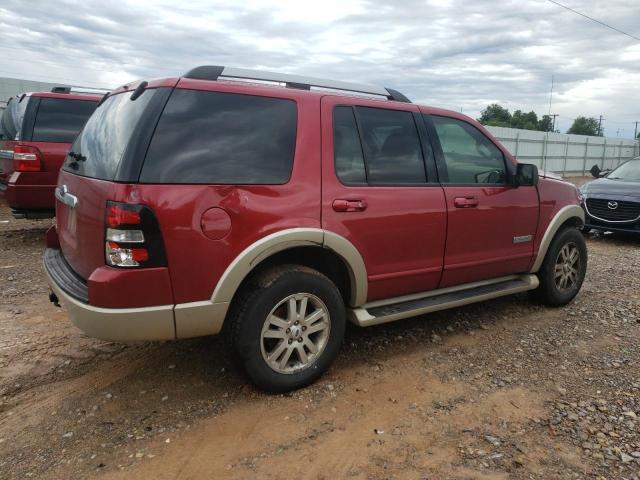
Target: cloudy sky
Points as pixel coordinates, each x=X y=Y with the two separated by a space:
x=457 y=54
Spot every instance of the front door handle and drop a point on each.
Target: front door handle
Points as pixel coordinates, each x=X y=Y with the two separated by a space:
x=465 y=202
x=342 y=205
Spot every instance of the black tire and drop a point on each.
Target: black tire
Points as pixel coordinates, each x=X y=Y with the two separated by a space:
x=550 y=292
x=255 y=304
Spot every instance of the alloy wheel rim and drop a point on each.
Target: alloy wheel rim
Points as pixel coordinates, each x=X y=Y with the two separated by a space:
x=567 y=267
x=295 y=333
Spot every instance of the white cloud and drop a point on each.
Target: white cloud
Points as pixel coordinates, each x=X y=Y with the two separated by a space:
x=455 y=53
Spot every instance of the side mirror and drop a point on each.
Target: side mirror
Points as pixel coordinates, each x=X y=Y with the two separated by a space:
x=526 y=175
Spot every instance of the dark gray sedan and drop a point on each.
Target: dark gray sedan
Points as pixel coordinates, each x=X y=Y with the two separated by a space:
x=613 y=202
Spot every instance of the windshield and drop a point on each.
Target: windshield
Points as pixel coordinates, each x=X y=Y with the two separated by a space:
x=99 y=147
x=627 y=171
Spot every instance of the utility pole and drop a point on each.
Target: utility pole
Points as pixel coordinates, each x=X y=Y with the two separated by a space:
x=635 y=133
x=550 y=95
x=553 y=127
x=600 y=126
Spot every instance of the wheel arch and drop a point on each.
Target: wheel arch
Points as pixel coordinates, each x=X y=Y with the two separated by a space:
x=331 y=254
x=570 y=215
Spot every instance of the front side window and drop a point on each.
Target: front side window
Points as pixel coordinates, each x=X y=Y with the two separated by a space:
x=59 y=120
x=392 y=150
x=470 y=156
x=222 y=138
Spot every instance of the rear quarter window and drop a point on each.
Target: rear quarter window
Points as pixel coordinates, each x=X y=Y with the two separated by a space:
x=222 y=138
x=59 y=120
x=11 y=119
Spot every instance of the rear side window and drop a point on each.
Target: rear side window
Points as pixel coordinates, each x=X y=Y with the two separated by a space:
x=392 y=150
x=222 y=138
x=347 y=151
x=59 y=120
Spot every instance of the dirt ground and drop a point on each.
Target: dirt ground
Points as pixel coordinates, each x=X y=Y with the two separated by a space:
x=505 y=389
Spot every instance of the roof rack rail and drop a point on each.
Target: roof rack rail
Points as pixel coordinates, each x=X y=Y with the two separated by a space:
x=213 y=72
x=86 y=90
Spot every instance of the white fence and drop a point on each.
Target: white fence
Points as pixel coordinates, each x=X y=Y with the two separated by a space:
x=565 y=154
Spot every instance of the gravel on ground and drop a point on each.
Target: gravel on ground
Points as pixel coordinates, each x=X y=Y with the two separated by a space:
x=505 y=389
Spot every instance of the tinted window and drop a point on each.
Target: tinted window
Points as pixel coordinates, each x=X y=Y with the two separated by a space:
x=469 y=155
x=12 y=116
x=348 y=157
x=391 y=146
x=222 y=138
x=59 y=120
x=99 y=147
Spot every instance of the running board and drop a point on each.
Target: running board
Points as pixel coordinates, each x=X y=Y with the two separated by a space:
x=383 y=311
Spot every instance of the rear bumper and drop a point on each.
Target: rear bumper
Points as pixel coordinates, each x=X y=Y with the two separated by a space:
x=114 y=324
x=163 y=322
x=29 y=194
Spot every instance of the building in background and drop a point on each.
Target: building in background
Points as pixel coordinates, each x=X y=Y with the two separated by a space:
x=10 y=87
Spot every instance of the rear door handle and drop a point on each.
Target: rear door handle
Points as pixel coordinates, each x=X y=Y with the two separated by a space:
x=343 y=205
x=465 y=202
x=62 y=194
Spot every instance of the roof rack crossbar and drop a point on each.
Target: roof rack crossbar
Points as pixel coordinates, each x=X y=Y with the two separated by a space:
x=213 y=72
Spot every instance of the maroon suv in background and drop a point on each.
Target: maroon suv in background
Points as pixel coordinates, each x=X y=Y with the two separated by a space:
x=36 y=132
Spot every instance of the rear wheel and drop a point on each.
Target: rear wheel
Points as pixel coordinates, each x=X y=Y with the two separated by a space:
x=288 y=328
x=563 y=269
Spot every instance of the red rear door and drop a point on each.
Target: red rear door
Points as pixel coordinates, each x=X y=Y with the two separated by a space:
x=380 y=194
x=80 y=214
x=491 y=225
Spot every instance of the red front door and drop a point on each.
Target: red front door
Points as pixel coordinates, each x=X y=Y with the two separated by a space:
x=491 y=238
x=491 y=224
x=380 y=192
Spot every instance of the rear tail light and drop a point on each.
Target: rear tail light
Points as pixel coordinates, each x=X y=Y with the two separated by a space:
x=26 y=159
x=132 y=237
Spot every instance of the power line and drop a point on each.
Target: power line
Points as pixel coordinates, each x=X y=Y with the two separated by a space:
x=594 y=20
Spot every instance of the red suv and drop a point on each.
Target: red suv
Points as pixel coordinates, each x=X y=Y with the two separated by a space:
x=275 y=212
x=36 y=131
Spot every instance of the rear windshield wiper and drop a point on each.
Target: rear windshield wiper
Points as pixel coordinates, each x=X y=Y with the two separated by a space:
x=77 y=156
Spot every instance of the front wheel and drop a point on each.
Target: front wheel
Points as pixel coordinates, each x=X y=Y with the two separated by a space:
x=563 y=269
x=289 y=327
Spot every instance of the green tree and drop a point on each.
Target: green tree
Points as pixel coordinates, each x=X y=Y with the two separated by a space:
x=585 y=126
x=527 y=121
x=496 y=116
x=545 y=124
